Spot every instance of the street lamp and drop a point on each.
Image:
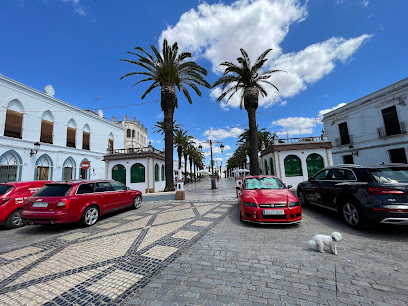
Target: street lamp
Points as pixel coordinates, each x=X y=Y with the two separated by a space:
x=36 y=148
x=211 y=142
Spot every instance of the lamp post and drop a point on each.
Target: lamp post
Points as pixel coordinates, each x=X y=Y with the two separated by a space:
x=211 y=142
x=36 y=148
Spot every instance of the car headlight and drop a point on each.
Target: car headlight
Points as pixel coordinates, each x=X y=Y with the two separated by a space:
x=294 y=204
x=249 y=204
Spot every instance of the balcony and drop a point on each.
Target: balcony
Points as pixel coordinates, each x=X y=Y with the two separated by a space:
x=382 y=131
x=300 y=139
x=338 y=141
x=136 y=150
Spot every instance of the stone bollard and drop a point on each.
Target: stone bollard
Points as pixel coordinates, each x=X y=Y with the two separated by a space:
x=180 y=193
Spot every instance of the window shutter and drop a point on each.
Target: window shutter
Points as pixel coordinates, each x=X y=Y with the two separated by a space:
x=71 y=137
x=85 y=140
x=46 y=131
x=14 y=123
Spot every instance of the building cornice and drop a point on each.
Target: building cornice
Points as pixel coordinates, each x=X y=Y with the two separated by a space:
x=373 y=97
x=46 y=97
x=134 y=155
x=297 y=146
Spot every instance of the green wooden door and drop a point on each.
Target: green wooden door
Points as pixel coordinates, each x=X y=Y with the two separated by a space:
x=314 y=164
x=119 y=173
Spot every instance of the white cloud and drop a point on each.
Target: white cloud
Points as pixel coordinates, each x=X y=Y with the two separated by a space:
x=77 y=7
x=219 y=134
x=365 y=3
x=296 y=126
x=218 y=31
x=325 y=111
x=160 y=116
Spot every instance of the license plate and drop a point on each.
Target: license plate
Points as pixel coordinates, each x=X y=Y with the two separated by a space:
x=40 y=204
x=274 y=212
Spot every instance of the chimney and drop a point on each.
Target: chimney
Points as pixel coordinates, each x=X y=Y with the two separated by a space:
x=113 y=119
x=125 y=118
x=134 y=119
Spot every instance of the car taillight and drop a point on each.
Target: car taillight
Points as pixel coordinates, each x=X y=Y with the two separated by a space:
x=4 y=201
x=380 y=190
x=64 y=202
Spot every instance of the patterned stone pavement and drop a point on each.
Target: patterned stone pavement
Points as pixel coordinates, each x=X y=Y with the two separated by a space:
x=105 y=263
x=197 y=252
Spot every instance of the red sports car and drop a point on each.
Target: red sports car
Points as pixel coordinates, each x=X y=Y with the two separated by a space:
x=265 y=199
x=78 y=201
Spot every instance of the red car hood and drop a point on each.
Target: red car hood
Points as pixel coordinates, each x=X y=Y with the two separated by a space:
x=268 y=196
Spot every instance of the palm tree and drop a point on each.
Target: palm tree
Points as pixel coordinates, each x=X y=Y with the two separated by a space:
x=168 y=71
x=159 y=127
x=178 y=142
x=186 y=143
x=247 y=79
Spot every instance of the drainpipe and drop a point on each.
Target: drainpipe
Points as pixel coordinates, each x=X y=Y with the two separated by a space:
x=154 y=175
x=280 y=166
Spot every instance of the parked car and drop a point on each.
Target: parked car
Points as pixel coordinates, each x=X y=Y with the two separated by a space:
x=265 y=199
x=78 y=201
x=12 y=196
x=361 y=194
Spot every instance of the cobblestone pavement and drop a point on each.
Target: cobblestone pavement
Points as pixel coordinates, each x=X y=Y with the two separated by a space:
x=105 y=263
x=239 y=263
x=197 y=252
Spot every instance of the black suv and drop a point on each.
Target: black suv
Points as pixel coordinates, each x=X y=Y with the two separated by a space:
x=361 y=194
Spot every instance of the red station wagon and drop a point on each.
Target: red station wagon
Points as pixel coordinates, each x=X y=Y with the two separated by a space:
x=265 y=199
x=12 y=196
x=78 y=201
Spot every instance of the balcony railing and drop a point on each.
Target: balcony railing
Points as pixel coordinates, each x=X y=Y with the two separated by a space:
x=300 y=139
x=382 y=132
x=136 y=150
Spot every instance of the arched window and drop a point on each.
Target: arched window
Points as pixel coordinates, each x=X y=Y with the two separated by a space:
x=47 y=127
x=156 y=173
x=137 y=173
x=266 y=167
x=71 y=134
x=86 y=138
x=314 y=163
x=128 y=133
x=68 y=169
x=271 y=166
x=133 y=133
x=10 y=166
x=293 y=166
x=119 y=173
x=162 y=172
x=84 y=173
x=43 y=168
x=14 y=120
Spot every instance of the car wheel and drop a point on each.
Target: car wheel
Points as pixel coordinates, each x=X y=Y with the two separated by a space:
x=240 y=216
x=137 y=202
x=302 y=199
x=353 y=215
x=14 y=220
x=90 y=216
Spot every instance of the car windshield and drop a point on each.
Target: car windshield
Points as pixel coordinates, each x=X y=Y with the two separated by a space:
x=4 y=188
x=263 y=183
x=53 y=190
x=390 y=175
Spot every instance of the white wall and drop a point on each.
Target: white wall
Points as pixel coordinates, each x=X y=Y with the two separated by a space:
x=363 y=117
x=34 y=104
x=148 y=163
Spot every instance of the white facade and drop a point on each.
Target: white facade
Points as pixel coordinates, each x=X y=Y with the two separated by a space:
x=135 y=133
x=54 y=158
x=127 y=168
x=278 y=159
x=373 y=127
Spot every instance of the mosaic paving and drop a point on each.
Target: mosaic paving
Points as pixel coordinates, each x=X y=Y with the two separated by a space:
x=105 y=263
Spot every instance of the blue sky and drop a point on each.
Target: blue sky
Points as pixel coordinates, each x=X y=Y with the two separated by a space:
x=335 y=51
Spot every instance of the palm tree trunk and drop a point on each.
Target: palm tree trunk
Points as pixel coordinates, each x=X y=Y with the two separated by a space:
x=191 y=168
x=179 y=152
x=168 y=104
x=185 y=168
x=253 y=142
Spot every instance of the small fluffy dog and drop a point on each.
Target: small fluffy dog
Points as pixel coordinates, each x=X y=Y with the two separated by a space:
x=319 y=241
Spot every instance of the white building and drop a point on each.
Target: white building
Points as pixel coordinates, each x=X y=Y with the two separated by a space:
x=294 y=160
x=142 y=168
x=66 y=135
x=371 y=129
x=135 y=133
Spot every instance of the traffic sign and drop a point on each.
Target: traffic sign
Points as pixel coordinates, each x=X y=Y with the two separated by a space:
x=85 y=165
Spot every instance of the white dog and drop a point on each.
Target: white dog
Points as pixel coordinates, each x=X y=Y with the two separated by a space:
x=319 y=241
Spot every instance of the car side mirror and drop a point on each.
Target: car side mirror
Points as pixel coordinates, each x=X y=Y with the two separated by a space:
x=289 y=186
x=127 y=188
x=311 y=179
